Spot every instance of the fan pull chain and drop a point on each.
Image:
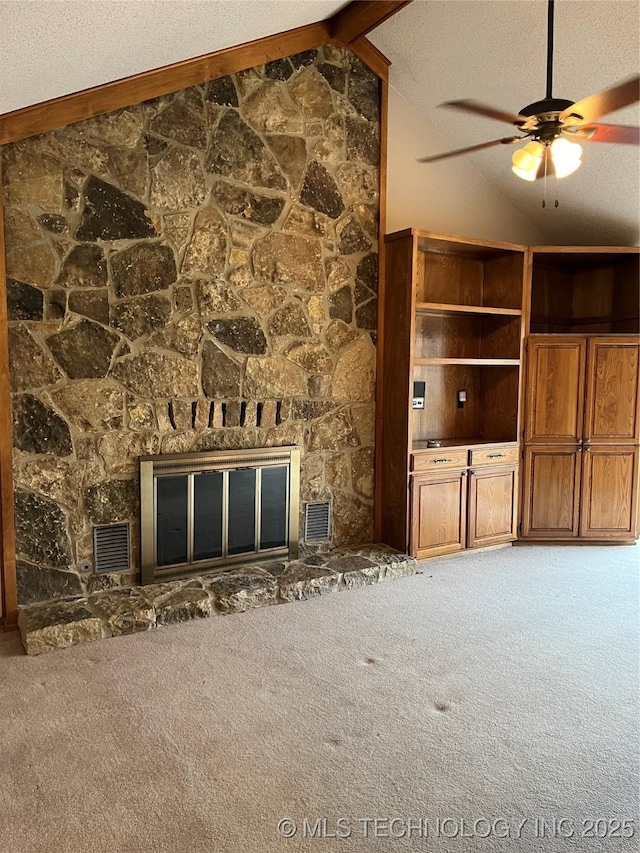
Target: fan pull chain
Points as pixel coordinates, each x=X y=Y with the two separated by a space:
x=556 y=203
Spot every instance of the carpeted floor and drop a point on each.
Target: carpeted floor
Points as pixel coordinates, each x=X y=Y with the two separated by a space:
x=493 y=693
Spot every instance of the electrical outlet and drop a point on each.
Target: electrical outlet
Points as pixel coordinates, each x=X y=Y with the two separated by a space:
x=462 y=399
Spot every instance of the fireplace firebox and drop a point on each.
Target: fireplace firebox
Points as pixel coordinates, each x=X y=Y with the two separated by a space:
x=201 y=511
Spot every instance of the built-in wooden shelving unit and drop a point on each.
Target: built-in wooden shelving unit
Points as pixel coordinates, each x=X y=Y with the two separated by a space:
x=455 y=316
x=453 y=328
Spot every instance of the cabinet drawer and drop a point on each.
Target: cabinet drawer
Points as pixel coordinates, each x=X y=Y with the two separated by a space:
x=495 y=456
x=438 y=459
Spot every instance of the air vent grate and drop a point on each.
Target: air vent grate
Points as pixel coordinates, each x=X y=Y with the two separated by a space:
x=111 y=547
x=317 y=521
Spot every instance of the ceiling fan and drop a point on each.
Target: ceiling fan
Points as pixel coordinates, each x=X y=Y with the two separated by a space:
x=553 y=124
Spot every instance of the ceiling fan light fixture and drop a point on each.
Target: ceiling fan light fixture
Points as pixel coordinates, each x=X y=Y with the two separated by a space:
x=526 y=161
x=549 y=121
x=566 y=156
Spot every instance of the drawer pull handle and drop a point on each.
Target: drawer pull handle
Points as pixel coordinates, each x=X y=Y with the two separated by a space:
x=496 y=455
x=439 y=461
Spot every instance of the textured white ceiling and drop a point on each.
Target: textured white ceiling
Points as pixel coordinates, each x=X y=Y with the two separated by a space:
x=50 y=48
x=495 y=51
x=490 y=50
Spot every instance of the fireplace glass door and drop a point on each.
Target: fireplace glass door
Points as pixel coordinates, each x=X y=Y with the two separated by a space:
x=205 y=515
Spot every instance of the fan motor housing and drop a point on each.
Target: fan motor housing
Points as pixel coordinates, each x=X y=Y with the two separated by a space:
x=548 y=106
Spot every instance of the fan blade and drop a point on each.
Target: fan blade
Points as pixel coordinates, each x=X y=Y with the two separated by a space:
x=591 y=108
x=546 y=166
x=484 y=110
x=619 y=133
x=506 y=141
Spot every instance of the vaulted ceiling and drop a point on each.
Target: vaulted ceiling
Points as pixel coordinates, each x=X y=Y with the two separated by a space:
x=494 y=51
x=489 y=50
x=50 y=48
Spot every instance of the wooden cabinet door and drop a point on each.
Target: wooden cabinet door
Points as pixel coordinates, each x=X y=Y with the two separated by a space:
x=608 y=509
x=613 y=391
x=555 y=389
x=438 y=513
x=492 y=515
x=551 y=493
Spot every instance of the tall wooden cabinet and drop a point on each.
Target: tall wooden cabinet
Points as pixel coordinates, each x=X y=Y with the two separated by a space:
x=582 y=410
x=452 y=333
x=582 y=431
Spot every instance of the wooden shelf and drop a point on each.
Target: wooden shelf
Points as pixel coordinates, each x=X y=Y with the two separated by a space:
x=583 y=321
x=482 y=362
x=449 y=308
x=467 y=443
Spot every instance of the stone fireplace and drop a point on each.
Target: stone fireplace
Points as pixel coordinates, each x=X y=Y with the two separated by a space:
x=196 y=273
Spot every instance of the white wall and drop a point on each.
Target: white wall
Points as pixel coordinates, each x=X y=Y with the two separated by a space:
x=449 y=197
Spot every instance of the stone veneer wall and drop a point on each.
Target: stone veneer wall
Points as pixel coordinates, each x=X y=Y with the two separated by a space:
x=192 y=273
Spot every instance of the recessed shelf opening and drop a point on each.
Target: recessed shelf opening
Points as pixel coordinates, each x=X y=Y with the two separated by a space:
x=585 y=294
x=488 y=278
x=467 y=336
x=489 y=413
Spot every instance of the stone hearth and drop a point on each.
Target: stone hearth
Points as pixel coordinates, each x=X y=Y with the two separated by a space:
x=128 y=610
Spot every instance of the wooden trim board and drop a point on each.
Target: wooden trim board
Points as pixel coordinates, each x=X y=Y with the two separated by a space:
x=437 y=237
x=369 y=54
x=581 y=250
x=382 y=224
x=8 y=590
x=359 y=18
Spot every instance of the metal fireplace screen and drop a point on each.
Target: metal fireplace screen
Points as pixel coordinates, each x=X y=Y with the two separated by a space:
x=200 y=511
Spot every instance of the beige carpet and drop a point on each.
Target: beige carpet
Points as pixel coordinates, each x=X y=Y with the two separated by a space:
x=492 y=689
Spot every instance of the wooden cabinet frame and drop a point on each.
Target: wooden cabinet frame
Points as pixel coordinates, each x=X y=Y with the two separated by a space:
x=452 y=317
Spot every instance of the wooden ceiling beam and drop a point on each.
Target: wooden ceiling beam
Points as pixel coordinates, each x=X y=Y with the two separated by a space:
x=370 y=55
x=361 y=16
